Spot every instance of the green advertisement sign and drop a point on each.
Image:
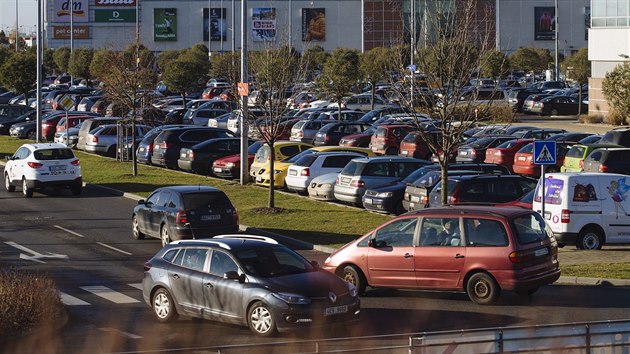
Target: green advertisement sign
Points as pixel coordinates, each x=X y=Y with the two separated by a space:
x=108 y=15
x=164 y=25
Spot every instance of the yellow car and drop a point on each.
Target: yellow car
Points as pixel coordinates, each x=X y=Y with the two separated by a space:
x=261 y=175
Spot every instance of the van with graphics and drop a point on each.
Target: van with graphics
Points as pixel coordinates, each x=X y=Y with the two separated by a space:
x=587 y=210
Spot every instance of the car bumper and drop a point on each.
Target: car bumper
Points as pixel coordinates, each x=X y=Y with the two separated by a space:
x=527 y=283
x=527 y=170
x=567 y=238
x=96 y=149
x=38 y=184
x=299 y=184
x=408 y=205
x=380 y=205
x=348 y=197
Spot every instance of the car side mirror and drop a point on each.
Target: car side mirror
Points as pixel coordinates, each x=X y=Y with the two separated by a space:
x=377 y=243
x=233 y=275
x=315 y=264
x=141 y=202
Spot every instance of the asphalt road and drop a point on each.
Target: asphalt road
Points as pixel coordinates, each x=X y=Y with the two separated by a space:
x=85 y=244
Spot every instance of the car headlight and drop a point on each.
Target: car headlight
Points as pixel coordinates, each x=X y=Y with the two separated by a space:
x=229 y=164
x=327 y=260
x=326 y=185
x=293 y=299
x=1 y=125
x=19 y=128
x=385 y=195
x=354 y=292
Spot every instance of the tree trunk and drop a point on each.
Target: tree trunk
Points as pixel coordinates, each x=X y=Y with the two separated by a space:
x=339 y=110
x=373 y=94
x=580 y=101
x=444 y=191
x=272 y=159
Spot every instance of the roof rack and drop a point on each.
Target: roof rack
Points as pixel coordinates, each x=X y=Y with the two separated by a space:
x=247 y=237
x=209 y=242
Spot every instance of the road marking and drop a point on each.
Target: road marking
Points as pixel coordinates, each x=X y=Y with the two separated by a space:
x=136 y=285
x=124 y=334
x=35 y=256
x=68 y=231
x=114 y=248
x=109 y=294
x=69 y=300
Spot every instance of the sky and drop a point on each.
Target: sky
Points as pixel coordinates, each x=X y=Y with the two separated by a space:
x=27 y=12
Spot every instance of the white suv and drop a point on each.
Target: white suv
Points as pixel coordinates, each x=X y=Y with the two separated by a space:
x=35 y=166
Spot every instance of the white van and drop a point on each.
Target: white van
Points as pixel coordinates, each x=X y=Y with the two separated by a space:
x=586 y=209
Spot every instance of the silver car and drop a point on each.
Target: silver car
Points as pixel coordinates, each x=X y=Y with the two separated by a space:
x=305 y=130
x=104 y=139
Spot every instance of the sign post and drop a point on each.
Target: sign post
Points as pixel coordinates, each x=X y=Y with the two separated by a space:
x=544 y=154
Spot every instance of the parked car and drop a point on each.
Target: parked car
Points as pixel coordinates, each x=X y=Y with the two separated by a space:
x=362 y=139
x=365 y=173
x=323 y=187
x=202 y=116
x=90 y=124
x=10 y=111
x=609 y=160
x=524 y=163
x=6 y=124
x=387 y=138
x=376 y=114
x=184 y=212
x=346 y=115
x=529 y=102
x=541 y=134
x=574 y=159
x=517 y=96
x=105 y=139
x=230 y=166
x=221 y=121
x=506 y=249
x=476 y=151
x=363 y=103
x=414 y=144
x=593 y=139
x=37 y=166
x=200 y=157
x=482 y=189
x=300 y=174
x=305 y=130
x=585 y=209
x=87 y=102
x=168 y=142
x=618 y=136
x=558 y=105
x=332 y=133
x=503 y=154
x=257 y=282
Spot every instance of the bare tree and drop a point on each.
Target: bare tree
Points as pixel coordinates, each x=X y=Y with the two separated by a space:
x=452 y=51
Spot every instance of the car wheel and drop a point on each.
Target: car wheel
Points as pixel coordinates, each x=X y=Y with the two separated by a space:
x=7 y=184
x=355 y=277
x=31 y=135
x=111 y=152
x=590 y=239
x=260 y=320
x=28 y=192
x=76 y=189
x=166 y=239
x=554 y=112
x=163 y=306
x=482 y=289
x=135 y=229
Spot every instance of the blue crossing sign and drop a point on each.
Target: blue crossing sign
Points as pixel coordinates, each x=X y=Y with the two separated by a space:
x=545 y=152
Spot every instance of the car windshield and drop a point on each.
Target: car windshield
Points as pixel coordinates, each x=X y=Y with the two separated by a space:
x=294 y=158
x=576 y=151
x=530 y=228
x=53 y=154
x=273 y=262
x=254 y=147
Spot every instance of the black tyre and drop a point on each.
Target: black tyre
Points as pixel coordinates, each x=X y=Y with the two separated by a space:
x=7 y=184
x=31 y=135
x=163 y=306
x=111 y=151
x=590 y=238
x=76 y=189
x=26 y=190
x=554 y=112
x=164 y=236
x=260 y=320
x=354 y=276
x=135 y=229
x=482 y=289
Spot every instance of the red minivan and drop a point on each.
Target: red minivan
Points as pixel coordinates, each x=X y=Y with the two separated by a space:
x=386 y=139
x=477 y=249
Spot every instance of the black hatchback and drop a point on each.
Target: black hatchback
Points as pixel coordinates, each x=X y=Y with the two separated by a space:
x=184 y=212
x=168 y=143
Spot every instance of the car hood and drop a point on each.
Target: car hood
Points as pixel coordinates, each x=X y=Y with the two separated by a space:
x=389 y=187
x=312 y=284
x=234 y=158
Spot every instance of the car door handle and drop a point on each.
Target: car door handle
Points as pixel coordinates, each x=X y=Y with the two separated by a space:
x=407 y=255
x=175 y=276
x=459 y=256
x=209 y=285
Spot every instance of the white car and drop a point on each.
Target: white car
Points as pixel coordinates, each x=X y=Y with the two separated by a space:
x=323 y=187
x=35 y=166
x=302 y=172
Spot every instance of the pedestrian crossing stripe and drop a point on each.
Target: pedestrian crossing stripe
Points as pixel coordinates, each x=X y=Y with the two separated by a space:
x=545 y=155
x=103 y=292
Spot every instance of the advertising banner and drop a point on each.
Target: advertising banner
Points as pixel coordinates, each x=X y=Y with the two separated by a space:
x=165 y=25
x=217 y=24
x=63 y=32
x=117 y=3
x=263 y=24
x=313 y=24
x=62 y=9
x=545 y=23
x=118 y=15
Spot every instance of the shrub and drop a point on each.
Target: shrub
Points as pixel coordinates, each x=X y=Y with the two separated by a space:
x=616 y=118
x=499 y=114
x=28 y=300
x=593 y=119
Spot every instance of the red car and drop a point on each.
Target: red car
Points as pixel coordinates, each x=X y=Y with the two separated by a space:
x=477 y=249
x=359 y=139
x=230 y=166
x=504 y=153
x=414 y=145
x=524 y=160
x=386 y=139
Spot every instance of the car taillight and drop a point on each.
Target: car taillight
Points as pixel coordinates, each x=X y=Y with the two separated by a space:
x=326 y=139
x=191 y=154
x=603 y=168
x=235 y=216
x=565 y=216
x=521 y=257
x=147 y=266
x=300 y=134
x=454 y=199
x=305 y=172
x=582 y=164
x=473 y=153
x=424 y=200
x=75 y=162
x=94 y=139
x=34 y=164
x=357 y=183
x=150 y=147
x=181 y=217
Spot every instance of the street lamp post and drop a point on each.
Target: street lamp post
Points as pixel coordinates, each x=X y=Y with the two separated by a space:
x=17 y=29
x=40 y=62
x=244 y=114
x=556 y=69
x=71 y=37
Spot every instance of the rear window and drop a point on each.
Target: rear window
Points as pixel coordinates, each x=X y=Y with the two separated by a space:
x=299 y=125
x=351 y=169
x=530 y=228
x=306 y=161
x=205 y=200
x=410 y=138
x=53 y=154
x=507 y=144
x=380 y=132
x=527 y=149
x=576 y=151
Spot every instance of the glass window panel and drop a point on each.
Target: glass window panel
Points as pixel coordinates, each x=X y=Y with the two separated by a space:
x=622 y=21
x=599 y=8
x=611 y=22
x=598 y=22
x=611 y=8
x=622 y=8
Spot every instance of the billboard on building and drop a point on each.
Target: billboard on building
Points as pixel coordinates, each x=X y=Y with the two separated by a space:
x=545 y=23
x=164 y=25
x=63 y=32
x=115 y=15
x=117 y=3
x=263 y=24
x=62 y=8
x=217 y=24
x=313 y=24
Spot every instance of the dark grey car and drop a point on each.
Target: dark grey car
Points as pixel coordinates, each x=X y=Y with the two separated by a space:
x=245 y=280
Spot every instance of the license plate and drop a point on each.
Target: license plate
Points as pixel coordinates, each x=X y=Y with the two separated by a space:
x=522 y=158
x=57 y=168
x=335 y=310
x=405 y=152
x=415 y=199
x=463 y=153
x=216 y=169
x=547 y=215
x=368 y=201
x=292 y=172
x=541 y=252
x=210 y=217
x=258 y=179
x=412 y=205
x=345 y=179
